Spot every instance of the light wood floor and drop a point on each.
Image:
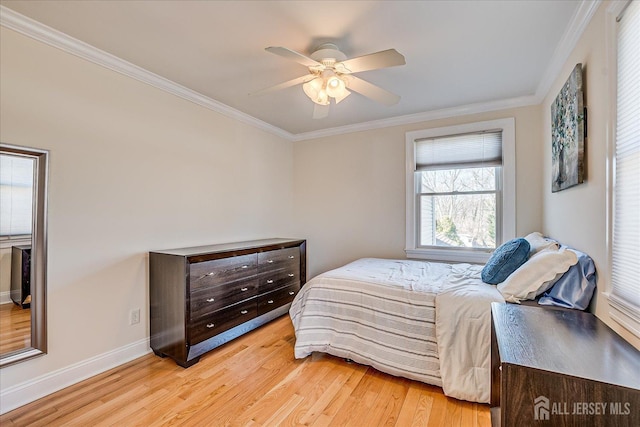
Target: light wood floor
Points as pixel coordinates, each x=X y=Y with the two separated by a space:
x=15 y=327
x=251 y=381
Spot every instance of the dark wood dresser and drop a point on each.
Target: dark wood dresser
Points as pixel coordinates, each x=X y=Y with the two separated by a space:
x=21 y=275
x=560 y=368
x=202 y=297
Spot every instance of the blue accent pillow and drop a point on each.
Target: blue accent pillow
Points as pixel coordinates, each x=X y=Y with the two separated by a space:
x=505 y=260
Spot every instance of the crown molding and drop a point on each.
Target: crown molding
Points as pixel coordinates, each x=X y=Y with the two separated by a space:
x=55 y=38
x=45 y=34
x=463 y=110
x=572 y=34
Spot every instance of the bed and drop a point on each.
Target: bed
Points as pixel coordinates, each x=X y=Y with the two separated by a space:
x=426 y=321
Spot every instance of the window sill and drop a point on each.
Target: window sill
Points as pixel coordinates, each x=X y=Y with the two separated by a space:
x=473 y=257
x=624 y=314
x=7 y=242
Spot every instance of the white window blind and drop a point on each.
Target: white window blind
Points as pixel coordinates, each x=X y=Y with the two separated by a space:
x=458 y=151
x=626 y=226
x=16 y=195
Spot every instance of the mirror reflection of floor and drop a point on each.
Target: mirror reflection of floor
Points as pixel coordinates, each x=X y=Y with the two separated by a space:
x=15 y=328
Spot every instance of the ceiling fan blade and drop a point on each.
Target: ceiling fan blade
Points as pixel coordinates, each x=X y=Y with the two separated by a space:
x=284 y=85
x=294 y=56
x=320 y=111
x=372 y=91
x=373 y=61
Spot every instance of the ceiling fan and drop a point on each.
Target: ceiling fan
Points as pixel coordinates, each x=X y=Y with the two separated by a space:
x=331 y=75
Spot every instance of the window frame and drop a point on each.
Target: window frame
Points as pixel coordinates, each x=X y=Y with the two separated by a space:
x=621 y=312
x=505 y=206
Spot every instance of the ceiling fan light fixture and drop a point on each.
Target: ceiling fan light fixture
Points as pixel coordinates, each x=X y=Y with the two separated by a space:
x=323 y=98
x=326 y=86
x=336 y=88
x=341 y=96
x=315 y=90
x=334 y=83
x=330 y=75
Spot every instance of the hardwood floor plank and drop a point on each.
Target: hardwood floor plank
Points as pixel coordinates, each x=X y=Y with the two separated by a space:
x=289 y=385
x=391 y=403
x=279 y=417
x=15 y=327
x=316 y=410
x=422 y=416
x=251 y=381
x=248 y=390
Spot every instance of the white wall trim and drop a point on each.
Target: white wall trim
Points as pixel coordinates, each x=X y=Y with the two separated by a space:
x=5 y=297
x=623 y=313
x=66 y=43
x=572 y=34
x=29 y=391
x=445 y=113
x=10 y=242
x=55 y=38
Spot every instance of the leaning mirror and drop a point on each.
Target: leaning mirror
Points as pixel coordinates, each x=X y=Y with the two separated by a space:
x=23 y=253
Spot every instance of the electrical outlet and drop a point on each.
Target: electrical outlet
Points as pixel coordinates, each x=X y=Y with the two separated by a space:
x=134 y=316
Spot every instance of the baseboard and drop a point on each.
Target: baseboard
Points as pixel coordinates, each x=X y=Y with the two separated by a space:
x=29 y=391
x=5 y=297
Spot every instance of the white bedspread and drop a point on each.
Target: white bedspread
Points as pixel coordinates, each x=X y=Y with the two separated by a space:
x=388 y=313
x=463 y=330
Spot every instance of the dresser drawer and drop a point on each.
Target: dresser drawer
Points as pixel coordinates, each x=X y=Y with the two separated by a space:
x=222 y=320
x=280 y=258
x=277 y=298
x=271 y=280
x=226 y=270
x=206 y=300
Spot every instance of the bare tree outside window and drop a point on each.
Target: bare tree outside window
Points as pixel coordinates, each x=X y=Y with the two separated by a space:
x=458 y=207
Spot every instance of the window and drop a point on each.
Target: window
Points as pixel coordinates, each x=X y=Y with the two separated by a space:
x=460 y=190
x=624 y=182
x=16 y=195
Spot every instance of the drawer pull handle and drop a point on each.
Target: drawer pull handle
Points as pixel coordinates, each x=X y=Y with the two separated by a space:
x=291 y=293
x=269 y=281
x=270 y=261
x=244 y=289
x=210 y=325
x=244 y=312
x=291 y=257
x=211 y=299
x=290 y=275
x=245 y=266
x=270 y=301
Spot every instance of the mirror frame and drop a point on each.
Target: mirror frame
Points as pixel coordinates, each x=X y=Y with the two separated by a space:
x=38 y=257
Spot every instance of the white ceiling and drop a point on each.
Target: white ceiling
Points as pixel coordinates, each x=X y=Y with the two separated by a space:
x=458 y=53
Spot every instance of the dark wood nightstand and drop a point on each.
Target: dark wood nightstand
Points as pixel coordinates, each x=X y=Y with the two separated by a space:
x=560 y=368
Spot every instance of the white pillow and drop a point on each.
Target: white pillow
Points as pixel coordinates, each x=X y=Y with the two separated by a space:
x=537 y=274
x=539 y=243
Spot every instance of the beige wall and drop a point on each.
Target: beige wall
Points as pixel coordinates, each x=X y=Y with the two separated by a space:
x=132 y=169
x=350 y=189
x=577 y=216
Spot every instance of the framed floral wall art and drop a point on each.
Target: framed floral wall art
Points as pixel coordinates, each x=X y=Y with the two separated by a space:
x=568 y=127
